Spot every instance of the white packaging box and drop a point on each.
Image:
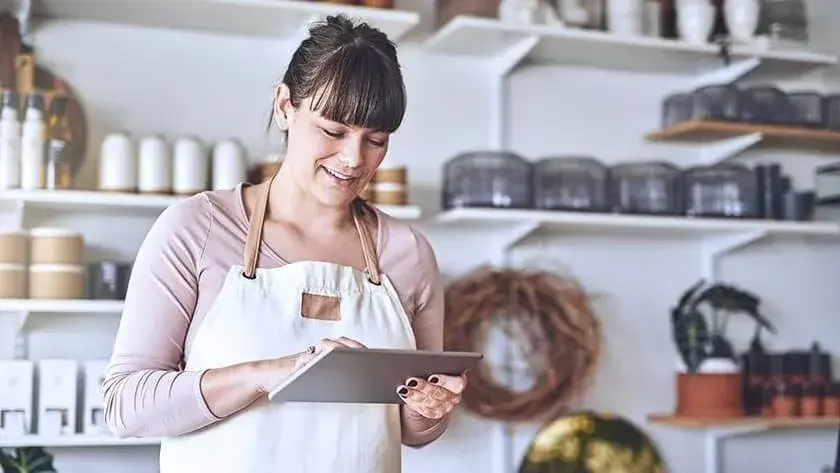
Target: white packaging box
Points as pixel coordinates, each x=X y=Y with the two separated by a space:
x=57 y=397
x=17 y=383
x=93 y=413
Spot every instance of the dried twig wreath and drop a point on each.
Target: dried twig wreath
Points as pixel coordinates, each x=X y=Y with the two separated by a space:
x=552 y=323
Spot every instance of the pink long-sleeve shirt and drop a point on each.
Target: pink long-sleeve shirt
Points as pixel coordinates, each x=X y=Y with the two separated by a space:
x=179 y=270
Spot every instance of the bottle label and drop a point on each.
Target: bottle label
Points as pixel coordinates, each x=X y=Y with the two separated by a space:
x=57 y=149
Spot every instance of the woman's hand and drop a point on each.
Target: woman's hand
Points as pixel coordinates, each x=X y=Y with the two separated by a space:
x=326 y=344
x=435 y=397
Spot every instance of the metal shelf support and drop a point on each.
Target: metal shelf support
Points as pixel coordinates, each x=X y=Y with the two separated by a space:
x=500 y=68
x=724 y=75
x=714 y=438
x=714 y=248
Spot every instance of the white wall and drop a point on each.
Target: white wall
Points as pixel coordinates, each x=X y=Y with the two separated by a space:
x=148 y=81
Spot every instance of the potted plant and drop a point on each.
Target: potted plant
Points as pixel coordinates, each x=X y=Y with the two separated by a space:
x=26 y=460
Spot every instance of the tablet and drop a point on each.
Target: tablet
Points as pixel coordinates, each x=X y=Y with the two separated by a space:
x=367 y=375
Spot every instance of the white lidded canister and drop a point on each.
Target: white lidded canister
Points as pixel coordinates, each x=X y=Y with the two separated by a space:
x=229 y=167
x=190 y=166
x=117 y=164
x=154 y=166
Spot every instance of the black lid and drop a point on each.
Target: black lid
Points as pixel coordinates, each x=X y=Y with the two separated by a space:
x=777 y=363
x=58 y=105
x=35 y=100
x=797 y=362
x=755 y=362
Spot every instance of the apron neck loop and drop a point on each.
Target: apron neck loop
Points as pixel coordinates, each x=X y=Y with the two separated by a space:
x=359 y=207
x=255 y=228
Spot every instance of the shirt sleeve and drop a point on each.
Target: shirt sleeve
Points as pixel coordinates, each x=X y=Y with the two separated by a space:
x=429 y=312
x=146 y=391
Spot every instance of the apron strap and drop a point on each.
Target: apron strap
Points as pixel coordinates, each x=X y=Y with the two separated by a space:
x=255 y=227
x=358 y=207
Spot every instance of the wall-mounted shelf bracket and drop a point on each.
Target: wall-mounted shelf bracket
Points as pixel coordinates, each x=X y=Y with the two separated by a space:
x=18 y=320
x=513 y=55
x=716 y=247
x=714 y=437
x=721 y=150
x=500 y=67
x=725 y=74
x=513 y=234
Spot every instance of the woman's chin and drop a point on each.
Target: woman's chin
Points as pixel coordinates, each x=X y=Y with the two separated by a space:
x=335 y=198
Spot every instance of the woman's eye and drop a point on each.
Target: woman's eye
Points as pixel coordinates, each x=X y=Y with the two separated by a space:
x=332 y=134
x=377 y=143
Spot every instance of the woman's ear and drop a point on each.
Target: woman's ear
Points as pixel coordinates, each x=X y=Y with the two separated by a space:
x=283 y=109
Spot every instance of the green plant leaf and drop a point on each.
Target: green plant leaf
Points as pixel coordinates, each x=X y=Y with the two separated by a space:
x=27 y=460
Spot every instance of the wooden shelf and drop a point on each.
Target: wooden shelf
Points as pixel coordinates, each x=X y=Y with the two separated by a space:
x=583 y=222
x=260 y=18
x=746 y=421
x=491 y=39
x=83 y=200
x=698 y=131
x=61 y=306
x=80 y=440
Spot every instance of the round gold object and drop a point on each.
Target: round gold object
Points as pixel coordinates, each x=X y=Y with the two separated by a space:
x=590 y=442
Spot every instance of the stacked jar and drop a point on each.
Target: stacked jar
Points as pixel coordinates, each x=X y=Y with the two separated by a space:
x=799 y=384
x=388 y=186
x=56 y=264
x=14 y=248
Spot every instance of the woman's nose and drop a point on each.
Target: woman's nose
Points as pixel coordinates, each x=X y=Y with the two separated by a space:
x=351 y=153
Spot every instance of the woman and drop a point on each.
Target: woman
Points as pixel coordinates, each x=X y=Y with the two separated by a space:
x=233 y=290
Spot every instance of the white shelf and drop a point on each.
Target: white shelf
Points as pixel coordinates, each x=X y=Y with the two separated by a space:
x=261 y=18
x=716 y=237
x=87 y=200
x=80 y=440
x=580 y=222
x=81 y=200
x=491 y=39
x=61 y=306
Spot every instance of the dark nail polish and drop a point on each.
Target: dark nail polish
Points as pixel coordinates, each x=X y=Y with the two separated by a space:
x=434 y=380
x=411 y=383
x=402 y=391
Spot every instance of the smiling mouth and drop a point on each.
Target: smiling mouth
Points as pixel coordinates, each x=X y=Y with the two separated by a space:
x=341 y=179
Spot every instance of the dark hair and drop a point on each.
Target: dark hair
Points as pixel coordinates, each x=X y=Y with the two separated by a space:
x=351 y=72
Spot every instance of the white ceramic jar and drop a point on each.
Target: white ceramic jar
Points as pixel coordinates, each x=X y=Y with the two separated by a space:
x=229 y=167
x=741 y=19
x=117 y=164
x=695 y=20
x=154 y=166
x=190 y=166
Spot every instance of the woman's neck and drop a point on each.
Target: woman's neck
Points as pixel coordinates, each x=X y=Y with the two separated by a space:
x=291 y=203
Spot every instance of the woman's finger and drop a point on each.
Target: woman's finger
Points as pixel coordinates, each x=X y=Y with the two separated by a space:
x=455 y=384
x=424 y=405
x=349 y=342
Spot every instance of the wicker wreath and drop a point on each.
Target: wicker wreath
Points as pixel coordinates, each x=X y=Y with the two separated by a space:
x=549 y=319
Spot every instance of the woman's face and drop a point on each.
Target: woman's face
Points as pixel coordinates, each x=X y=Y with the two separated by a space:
x=329 y=159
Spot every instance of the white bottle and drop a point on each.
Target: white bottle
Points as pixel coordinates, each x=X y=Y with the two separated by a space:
x=32 y=138
x=229 y=166
x=190 y=166
x=154 y=166
x=10 y=142
x=117 y=164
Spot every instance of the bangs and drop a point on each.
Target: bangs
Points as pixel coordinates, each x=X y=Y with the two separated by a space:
x=358 y=86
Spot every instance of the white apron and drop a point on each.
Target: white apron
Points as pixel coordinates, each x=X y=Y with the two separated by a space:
x=278 y=312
